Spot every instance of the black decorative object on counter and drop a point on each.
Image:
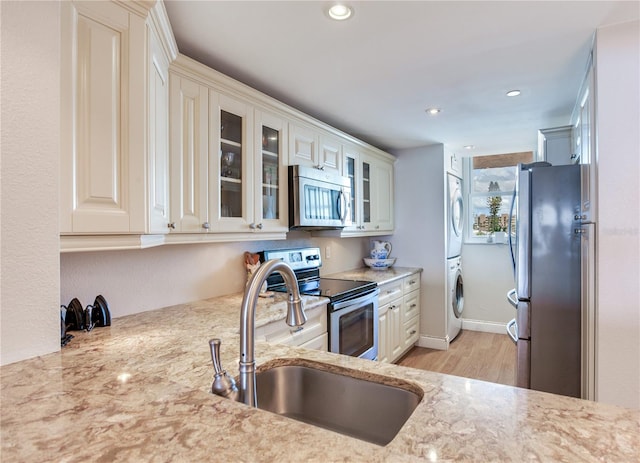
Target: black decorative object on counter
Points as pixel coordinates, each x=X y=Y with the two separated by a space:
x=75 y=318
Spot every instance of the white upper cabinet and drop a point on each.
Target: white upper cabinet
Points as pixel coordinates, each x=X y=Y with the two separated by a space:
x=228 y=172
x=231 y=179
x=158 y=148
x=114 y=123
x=583 y=137
x=330 y=154
x=372 y=184
x=189 y=154
x=158 y=135
x=270 y=203
x=382 y=195
x=312 y=147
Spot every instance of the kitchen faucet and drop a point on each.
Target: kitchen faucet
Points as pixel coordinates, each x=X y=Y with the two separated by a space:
x=223 y=384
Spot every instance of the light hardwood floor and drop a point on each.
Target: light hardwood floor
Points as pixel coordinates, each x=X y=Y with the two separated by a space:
x=473 y=354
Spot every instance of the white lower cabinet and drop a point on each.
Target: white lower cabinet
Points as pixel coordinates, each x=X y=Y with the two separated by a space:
x=312 y=335
x=399 y=317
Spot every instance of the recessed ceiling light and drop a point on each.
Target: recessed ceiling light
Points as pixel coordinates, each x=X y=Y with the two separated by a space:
x=433 y=111
x=469 y=147
x=340 y=12
x=513 y=93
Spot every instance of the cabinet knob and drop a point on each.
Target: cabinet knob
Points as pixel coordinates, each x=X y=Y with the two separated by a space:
x=171 y=225
x=579 y=217
x=412 y=332
x=319 y=167
x=377 y=227
x=259 y=226
x=206 y=225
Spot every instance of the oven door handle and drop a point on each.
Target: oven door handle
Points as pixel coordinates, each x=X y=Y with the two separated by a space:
x=336 y=306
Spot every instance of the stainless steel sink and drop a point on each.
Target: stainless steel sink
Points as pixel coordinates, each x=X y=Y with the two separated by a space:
x=327 y=396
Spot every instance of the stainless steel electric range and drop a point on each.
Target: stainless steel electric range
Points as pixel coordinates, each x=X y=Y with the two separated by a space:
x=353 y=305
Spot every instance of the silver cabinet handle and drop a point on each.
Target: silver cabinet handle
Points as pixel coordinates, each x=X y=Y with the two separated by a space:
x=171 y=225
x=513 y=334
x=206 y=225
x=513 y=298
x=259 y=226
x=297 y=330
x=412 y=306
x=412 y=332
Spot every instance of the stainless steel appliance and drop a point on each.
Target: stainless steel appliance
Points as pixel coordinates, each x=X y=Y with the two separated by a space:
x=318 y=199
x=547 y=297
x=352 y=308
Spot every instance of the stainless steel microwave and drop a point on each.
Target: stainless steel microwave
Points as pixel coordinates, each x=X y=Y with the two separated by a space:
x=317 y=199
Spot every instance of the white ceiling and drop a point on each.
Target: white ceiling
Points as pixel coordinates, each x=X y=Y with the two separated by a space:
x=374 y=75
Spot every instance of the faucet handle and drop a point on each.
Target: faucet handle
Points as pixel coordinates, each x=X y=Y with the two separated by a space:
x=223 y=384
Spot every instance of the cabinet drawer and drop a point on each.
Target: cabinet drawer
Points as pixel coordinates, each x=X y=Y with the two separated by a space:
x=411 y=283
x=411 y=303
x=411 y=331
x=320 y=343
x=390 y=292
x=280 y=332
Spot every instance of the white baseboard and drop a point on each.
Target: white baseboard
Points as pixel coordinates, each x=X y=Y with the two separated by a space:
x=487 y=327
x=432 y=342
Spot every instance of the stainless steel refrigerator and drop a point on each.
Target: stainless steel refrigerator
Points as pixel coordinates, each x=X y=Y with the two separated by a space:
x=547 y=265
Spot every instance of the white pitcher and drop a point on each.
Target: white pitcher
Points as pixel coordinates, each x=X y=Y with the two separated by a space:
x=380 y=249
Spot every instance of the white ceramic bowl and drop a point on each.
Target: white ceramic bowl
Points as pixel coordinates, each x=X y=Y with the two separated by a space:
x=379 y=264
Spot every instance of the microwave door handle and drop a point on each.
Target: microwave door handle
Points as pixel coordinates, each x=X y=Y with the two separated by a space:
x=342 y=206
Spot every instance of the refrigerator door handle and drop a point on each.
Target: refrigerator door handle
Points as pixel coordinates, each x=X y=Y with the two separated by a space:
x=512 y=297
x=513 y=334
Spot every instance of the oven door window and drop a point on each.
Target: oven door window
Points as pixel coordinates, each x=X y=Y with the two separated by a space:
x=356 y=331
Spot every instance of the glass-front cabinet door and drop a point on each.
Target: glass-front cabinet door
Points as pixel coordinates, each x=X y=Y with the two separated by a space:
x=366 y=196
x=353 y=172
x=230 y=174
x=270 y=204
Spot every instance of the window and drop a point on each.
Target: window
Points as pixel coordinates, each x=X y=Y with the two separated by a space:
x=491 y=183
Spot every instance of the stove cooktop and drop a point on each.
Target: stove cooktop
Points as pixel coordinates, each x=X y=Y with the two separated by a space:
x=336 y=289
x=306 y=263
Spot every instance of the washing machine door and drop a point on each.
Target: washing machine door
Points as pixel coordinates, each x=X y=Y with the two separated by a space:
x=455 y=217
x=457 y=299
x=457 y=212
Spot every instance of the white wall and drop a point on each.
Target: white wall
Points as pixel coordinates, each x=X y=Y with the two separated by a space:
x=488 y=276
x=141 y=280
x=618 y=223
x=419 y=238
x=30 y=141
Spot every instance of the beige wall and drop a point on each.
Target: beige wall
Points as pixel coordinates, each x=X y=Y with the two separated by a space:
x=140 y=280
x=618 y=223
x=30 y=140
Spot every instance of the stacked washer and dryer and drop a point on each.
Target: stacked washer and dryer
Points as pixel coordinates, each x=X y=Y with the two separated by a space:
x=454 y=216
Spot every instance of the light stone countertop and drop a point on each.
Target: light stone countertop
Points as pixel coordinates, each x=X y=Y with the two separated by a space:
x=139 y=391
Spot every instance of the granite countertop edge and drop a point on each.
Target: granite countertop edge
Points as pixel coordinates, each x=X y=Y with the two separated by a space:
x=139 y=391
